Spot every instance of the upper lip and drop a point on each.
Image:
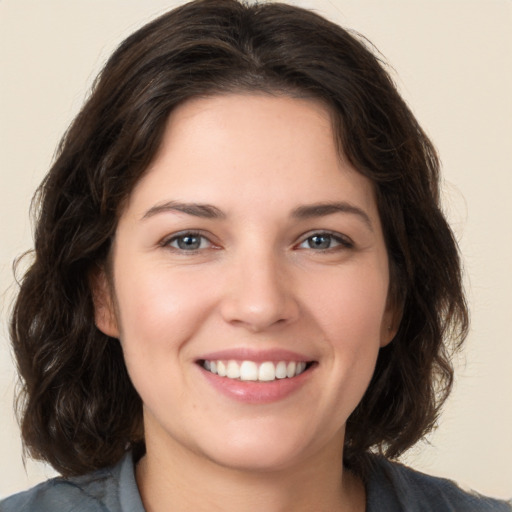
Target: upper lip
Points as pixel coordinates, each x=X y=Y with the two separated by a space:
x=258 y=356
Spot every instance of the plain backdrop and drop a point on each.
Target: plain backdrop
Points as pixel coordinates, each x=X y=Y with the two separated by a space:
x=452 y=60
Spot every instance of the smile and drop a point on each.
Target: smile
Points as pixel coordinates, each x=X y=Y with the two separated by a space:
x=266 y=371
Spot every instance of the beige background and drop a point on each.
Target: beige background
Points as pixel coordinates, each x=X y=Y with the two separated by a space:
x=453 y=62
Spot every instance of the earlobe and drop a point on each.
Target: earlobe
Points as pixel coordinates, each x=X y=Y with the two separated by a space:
x=390 y=324
x=387 y=334
x=104 y=310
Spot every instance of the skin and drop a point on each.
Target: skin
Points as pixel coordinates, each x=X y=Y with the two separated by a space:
x=256 y=281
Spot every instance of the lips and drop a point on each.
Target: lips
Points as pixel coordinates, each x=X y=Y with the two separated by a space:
x=256 y=376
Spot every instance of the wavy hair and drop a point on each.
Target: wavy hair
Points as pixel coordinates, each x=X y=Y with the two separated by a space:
x=78 y=408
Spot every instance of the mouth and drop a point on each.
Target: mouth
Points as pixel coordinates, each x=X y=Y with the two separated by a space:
x=252 y=371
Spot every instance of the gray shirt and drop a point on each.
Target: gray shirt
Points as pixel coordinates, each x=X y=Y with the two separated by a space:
x=391 y=487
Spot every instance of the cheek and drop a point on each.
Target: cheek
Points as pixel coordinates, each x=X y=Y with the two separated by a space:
x=351 y=304
x=351 y=312
x=158 y=317
x=159 y=310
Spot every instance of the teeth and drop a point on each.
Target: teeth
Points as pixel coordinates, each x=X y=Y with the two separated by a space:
x=267 y=371
x=251 y=371
x=221 y=369
x=248 y=371
x=233 y=370
x=281 y=370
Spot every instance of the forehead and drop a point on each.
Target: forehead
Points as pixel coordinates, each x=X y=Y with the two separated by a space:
x=254 y=149
x=258 y=122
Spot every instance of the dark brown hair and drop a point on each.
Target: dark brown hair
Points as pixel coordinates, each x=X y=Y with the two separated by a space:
x=79 y=409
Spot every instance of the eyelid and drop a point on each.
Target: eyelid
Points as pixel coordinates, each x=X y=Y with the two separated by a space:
x=343 y=240
x=167 y=240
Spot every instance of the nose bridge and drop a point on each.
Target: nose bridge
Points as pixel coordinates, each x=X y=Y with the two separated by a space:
x=260 y=291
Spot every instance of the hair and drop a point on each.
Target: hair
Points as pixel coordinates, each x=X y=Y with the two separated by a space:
x=78 y=409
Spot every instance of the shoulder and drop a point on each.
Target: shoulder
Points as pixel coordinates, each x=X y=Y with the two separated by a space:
x=56 y=494
x=60 y=494
x=393 y=486
x=100 y=491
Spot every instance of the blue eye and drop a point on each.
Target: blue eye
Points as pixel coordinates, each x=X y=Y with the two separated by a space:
x=188 y=242
x=324 y=241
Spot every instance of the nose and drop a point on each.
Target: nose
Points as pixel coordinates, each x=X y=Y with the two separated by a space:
x=260 y=294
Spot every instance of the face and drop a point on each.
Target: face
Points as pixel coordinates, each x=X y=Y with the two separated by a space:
x=250 y=284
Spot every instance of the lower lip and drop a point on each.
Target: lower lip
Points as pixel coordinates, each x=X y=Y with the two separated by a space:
x=255 y=392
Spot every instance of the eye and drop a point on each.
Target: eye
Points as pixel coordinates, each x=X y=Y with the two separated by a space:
x=189 y=241
x=325 y=241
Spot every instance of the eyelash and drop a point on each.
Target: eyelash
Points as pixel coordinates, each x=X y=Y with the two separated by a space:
x=342 y=242
x=183 y=235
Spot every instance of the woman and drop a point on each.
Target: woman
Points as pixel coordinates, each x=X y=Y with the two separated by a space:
x=243 y=285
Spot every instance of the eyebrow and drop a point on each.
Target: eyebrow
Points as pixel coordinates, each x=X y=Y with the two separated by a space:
x=324 y=209
x=205 y=211
x=208 y=211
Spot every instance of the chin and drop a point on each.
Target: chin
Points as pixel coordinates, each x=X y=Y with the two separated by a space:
x=261 y=448
x=257 y=459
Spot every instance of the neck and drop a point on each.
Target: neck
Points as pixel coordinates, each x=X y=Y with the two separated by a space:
x=181 y=480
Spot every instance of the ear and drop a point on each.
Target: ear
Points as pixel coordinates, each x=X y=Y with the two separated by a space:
x=104 y=310
x=390 y=321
